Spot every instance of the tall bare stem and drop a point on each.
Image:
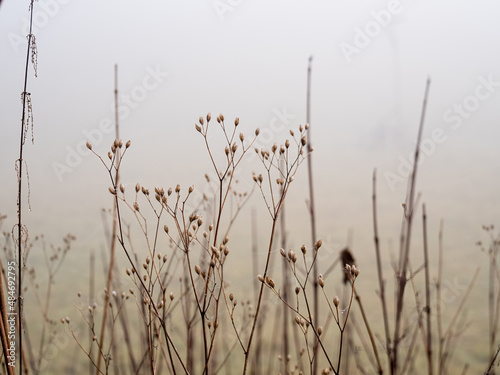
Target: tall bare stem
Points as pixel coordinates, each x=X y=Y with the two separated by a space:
x=427 y=294
x=403 y=262
x=19 y=166
x=312 y=212
x=114 y=232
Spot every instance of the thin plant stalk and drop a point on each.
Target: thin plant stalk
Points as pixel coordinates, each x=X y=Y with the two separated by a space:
x=91 y=300
x=438 y=297
x=403 y=262
x=492 y=362
x=19 y=168
x=448 y=335
x=286 y=349
x=427 y=294
x=312 y=212
x=368 y=329
x=189 y=331
x=261 y=292
x=379 y=268
x=493 y=302
x=114 y=232
x=255 y=264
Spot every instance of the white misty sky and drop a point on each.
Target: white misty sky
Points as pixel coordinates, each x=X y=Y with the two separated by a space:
x=249 y=60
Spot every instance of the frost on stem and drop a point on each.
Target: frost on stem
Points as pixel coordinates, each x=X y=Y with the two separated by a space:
x=34 y=53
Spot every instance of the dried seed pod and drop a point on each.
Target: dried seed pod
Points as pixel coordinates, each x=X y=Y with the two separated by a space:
x=356 y=273
x=321 y=282
x=346 y=258
x=270 y=282
x=336 y=301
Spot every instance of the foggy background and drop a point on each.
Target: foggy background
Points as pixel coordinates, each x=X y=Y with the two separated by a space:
x=248 y=59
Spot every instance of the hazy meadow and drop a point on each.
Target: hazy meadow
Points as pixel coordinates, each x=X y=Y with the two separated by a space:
x=177 y=63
